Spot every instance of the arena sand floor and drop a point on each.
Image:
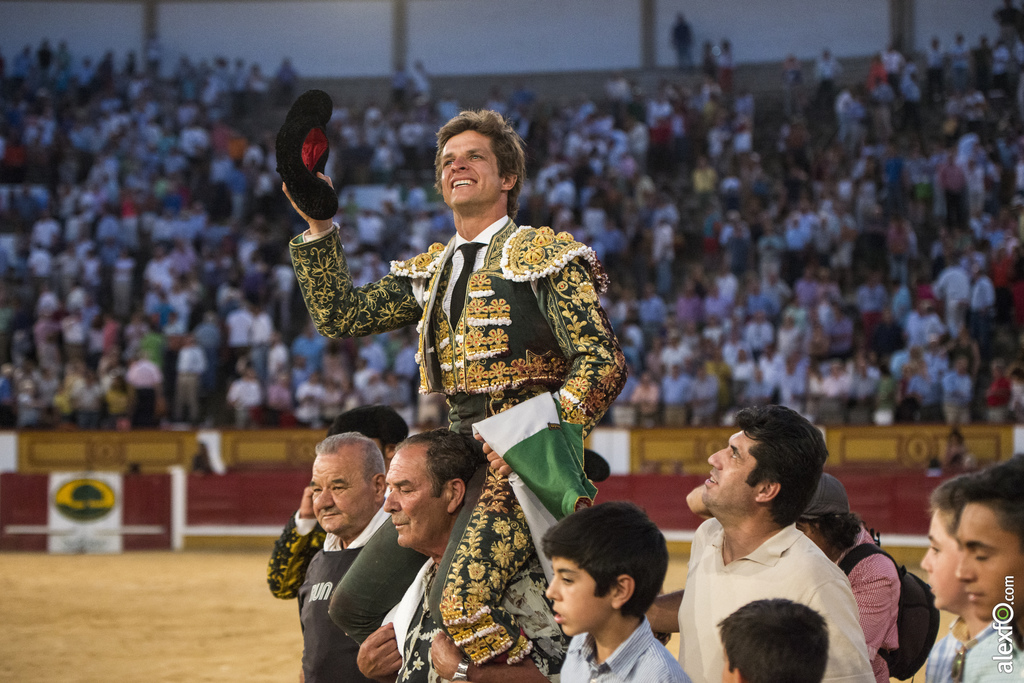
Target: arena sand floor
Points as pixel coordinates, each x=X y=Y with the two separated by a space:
x=159 y=617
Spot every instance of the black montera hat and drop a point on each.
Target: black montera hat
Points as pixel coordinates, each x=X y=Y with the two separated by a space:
x=374 y=422
x=302 y=151
x=595 y=467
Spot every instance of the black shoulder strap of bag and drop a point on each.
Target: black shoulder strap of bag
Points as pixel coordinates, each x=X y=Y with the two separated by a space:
x=860 y=552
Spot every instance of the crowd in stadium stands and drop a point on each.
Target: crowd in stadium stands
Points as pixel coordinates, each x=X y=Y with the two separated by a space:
x=856 y=257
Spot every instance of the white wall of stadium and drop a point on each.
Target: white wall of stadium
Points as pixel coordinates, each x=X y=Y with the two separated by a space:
x=354 y=38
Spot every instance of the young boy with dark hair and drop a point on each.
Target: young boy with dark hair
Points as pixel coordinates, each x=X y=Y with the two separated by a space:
x=609 y=562
x=990 y=530
x=767 y=641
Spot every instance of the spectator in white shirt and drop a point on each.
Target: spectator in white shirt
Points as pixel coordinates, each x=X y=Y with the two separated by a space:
x=953 y=288
x=45 y=231
x=792 y=383
x=791 y=337
x=260 y=337
x=675 y=353
x=893 y=61
x=158 y=271
x=239 y=328
x=835 y=390
x=190 y=368
x=244 y=394
x=826 y=70
x=922 y=323
x=759 y=333
x=309 y=398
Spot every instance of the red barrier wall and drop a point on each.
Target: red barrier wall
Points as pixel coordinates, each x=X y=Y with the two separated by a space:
x=890 y=501
x=254 y=498
x=147 y=501
x=23 y=500
x=663 y=497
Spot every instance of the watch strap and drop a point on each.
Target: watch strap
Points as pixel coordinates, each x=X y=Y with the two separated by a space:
x=462 y=671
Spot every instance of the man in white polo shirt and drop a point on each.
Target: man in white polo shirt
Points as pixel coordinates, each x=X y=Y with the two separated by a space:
x=751 y=550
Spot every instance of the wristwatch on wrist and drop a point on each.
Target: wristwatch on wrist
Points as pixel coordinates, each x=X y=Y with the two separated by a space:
x=462 y=671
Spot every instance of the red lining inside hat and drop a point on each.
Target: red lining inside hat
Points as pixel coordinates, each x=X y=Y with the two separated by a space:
x=313 y=148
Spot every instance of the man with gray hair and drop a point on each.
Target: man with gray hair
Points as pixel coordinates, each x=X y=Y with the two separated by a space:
x=348 y=493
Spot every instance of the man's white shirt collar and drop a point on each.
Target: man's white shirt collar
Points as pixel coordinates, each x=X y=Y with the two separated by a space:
x=484 y=237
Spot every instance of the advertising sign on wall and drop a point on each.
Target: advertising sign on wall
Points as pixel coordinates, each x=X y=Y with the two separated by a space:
x=85 y=512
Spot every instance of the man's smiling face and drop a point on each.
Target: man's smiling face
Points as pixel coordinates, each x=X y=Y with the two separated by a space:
x=470 y=181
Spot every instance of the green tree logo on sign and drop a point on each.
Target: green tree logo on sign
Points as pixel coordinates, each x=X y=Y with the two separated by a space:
x=84 y=500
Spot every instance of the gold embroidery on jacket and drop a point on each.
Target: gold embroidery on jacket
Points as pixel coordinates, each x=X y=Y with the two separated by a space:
x=336 y=308
x=488 y=309
x=480 y=345
x=422 y=265
x=598 y=370
x=495 y=545
x=531 y=254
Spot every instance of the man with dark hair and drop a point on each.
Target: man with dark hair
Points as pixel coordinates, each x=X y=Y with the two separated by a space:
x=788 y=450
x=766 y=641
x=449 y=456
x=609 y=562
x=302 y=537
x=511 y=330
x=429 y=478
x=990 y=530
x=751 y=550
x=874 y=578
x=611 y=540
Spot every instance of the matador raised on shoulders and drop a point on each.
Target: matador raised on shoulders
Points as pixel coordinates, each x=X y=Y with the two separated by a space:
x=527 y=323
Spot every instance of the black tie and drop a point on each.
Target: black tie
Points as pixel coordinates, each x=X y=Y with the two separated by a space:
x=468 y=250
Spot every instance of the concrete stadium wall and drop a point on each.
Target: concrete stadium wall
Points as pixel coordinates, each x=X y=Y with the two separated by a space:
x=355 y=38
x=342 y=39
x=946 y=18
x=522 y=36
x=768 y=31
x=90 y=28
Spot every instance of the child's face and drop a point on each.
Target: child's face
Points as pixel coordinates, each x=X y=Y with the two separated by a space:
x=576 y=607
x=941 y=562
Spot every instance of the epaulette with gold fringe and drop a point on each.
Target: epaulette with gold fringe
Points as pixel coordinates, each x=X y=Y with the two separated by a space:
x=534 y=253
x=422 y=265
